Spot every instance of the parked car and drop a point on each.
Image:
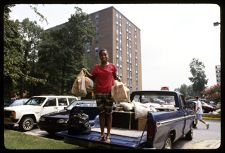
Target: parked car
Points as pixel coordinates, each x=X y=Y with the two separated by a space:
x=27 y=115
x=18 y=102
x=7 y=102
x=55 y=122
x=206 y=107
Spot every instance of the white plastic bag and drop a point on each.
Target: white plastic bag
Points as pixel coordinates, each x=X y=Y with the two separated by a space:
x=140 y=111
x=127 y=106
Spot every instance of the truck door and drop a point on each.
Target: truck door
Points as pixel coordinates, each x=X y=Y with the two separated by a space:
x=185 y=127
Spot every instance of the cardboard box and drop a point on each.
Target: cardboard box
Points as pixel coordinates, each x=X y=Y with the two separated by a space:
x=141 y=123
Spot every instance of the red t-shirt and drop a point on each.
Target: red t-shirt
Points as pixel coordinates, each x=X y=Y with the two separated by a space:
x=103 y=77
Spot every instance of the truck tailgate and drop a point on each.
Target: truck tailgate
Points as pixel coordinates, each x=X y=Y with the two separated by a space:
x=120 y=138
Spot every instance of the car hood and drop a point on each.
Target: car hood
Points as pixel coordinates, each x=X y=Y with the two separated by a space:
x=61 y=114
x=22 y=107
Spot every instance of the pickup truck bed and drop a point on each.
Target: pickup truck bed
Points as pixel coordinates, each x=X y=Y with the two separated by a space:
x=120 y=138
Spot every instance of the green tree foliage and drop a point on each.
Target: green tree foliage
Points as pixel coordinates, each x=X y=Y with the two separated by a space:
x=198 y=76
x=20 y=41
x=61 y=52
x=186 y=90
x=30 y=32
x=13 y=57
x=41 y=16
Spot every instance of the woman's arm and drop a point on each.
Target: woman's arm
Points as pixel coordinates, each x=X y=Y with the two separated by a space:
x=88 y=74
x=116 y=77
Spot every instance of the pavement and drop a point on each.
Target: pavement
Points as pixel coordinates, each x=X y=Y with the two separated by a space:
x=204 y=144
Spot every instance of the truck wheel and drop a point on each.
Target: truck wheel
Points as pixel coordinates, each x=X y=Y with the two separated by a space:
x=189 y=135
x=27 y=124
x=168 y=143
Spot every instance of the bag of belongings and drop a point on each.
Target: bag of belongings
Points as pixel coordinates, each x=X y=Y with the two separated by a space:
x=81 y=85
x=141 y=110
x=78 y=122
x=119 y=92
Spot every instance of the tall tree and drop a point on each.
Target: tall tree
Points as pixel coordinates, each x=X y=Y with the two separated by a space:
x=13 y=58
x=185 y=90
x=61 y=52
x=30 y=32
x=16 y=51
x=198 y=76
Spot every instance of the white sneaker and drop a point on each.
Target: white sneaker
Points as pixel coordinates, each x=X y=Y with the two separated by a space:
x=207 y=126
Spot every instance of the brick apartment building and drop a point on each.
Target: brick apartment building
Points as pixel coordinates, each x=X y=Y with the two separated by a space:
x=121 y=38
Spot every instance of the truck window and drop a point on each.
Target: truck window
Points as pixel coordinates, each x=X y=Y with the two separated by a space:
x=159 y=99
x=137 y=98
x=182 y=101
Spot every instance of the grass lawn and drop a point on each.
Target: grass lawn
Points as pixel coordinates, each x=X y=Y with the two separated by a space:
x=19 y=140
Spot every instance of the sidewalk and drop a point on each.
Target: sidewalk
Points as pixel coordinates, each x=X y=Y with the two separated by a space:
x=205 y=144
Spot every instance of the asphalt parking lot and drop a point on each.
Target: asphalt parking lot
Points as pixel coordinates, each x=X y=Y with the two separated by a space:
x=202 y=138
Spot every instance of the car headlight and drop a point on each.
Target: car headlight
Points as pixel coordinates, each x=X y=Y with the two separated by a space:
x=42 y=119
x=62 y=120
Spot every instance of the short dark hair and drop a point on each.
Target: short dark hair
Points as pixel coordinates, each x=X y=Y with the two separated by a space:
x=196 y=97
x=101 y=50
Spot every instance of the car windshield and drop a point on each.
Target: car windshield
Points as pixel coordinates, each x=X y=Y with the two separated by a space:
x=78 y=103
x=18 y=102
x=37 y=101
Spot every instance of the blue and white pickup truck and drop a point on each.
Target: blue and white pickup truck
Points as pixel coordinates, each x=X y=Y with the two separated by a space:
x=159 y=130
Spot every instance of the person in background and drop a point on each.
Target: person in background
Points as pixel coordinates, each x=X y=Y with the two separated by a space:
x=199 y=112
x=103 y=75
x=14 y=97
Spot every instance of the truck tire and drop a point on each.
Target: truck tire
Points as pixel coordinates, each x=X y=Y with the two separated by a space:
x=189 y=135
x=168 y=143
x=26 y=124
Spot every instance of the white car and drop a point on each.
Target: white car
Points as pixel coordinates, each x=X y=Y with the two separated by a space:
x=27 y=115
x=18 y=102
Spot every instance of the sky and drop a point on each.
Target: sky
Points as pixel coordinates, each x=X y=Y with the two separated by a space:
x=171 y=36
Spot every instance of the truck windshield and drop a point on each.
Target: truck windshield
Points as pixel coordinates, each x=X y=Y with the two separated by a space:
x=37 y=101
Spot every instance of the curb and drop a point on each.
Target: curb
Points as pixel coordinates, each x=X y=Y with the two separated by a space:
x=211 y=118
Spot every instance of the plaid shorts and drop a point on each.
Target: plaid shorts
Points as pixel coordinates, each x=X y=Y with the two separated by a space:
x=104 y=102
